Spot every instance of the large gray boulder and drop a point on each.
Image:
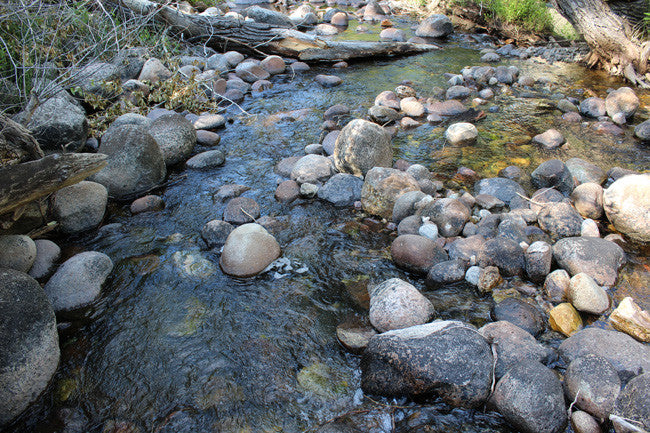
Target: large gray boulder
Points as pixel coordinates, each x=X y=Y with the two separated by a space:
x=135 y=161
x=29 y=343
x=267 y=16
x=80 y=207
x=593 y=383
x=448 y=359
x=17 y=252
x=248 y=250
x=360 y=146
x=560 y=220
x=627 y=205
x=396 y=304
x=596 y=257
x=342 y=189
x=435 y=26
x=176 y=137
x=499 y=187
x=78 y=282
x=449 y=214
x=632 y=403
x=381 y=188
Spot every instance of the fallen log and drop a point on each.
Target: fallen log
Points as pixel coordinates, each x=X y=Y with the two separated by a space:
x=29 y=181
x=223 y=33
x=16 y=143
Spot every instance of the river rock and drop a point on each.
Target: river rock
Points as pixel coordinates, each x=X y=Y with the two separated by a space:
x=17 y=252
x=389 y=99
x=312 y=169
x=148 y=203
x=209 y=122
x=461 y=134
x=447 y=272
x=268 y=16
x=215 y=233
x=382 y=115
x=78 y=281
x=342 y=189
x=355 y=334
x=466 y=249
x=176 y=137
x=59 y=124
x=546 y=195
x=248 y=250
x=448 y=359
x=251 y=72
x=559 y=220
x=412 y=107
x=207 y=160
x=47 y=253
x=458 y=92
x=80 y=207
x=642 y=131
x=435 y=26
x=382 y=187
x=489 y=279
x=556 y=286
x=153 y=71
x=622 y=100
x=285 y=166
x=273 y=65
x=360 y=146
x=513 y=227
x=328 y=80
x=416 y=253
x=135 y=161
x=582 y=422
x=287 y=191
x=565 y=319
x=627 y=205
x=530 y=398
x=505 y=254
x=392 y=34
x=586 y=295
x=629 y=318
x=584 y=171
x=131 y=119
x=588 y=200
x=501 y=188
x=396 y=304
x=241 y=210
x=553 y=174
x=539 y=257
x=449 y=214
x=514 y=345
x=446 y=108
x=632 y=403
x=549 y=140
x=592 y=382
x=405 y=204
x=598 y=258
x=520 y=313
x=629 y=357
x=29 y=343
x=593 y=107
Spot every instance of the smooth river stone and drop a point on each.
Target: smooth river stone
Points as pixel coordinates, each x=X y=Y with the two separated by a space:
x=249 y=249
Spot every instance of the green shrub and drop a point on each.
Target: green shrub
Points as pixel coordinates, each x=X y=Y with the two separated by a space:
x=529 y=14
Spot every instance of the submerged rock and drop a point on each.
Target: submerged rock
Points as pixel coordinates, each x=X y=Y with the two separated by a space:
x=248 y=250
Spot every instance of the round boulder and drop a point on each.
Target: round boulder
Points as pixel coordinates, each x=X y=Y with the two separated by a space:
x=312 y=169
x=360 y=146
x=449 y=214
x=17 y=252
x=461 y=134
x=80 y=207
x=598 y=258
x=248 y=250
x=435 y=26
x=382 y=187
x=588 y=200
x=627 y=205
x=416 y=253
x=176 y=137
x=396 y=304
x=593 y=383
x=622 y=100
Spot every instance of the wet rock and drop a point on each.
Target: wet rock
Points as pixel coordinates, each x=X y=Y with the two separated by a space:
x=472 y=275
x=388 y=99
x=565 y=319
x=642 y=131
x=241 y=210
x=148 y=203
x=572 y=117
x=396 y=304
x=546 y=195
x=566 y=106
x=512 y=227
x=409 y=226
x=251 y=72
x=584 y=171
x=446 y=108
x=261 y=85
x=412 y=107
x=444 y=358
x=312 y=169
x=405 y=204
x=556 y=286
x=210 y=122
x=207 y=138
x=622 y=100
x=206 y=160
x=586 y=295
x=299 y=67
x=592 y=382
x=248 y=250
x=328 y=80
x=285 y=166
x=429 y=230
x=435 y=26
x=273 y=65
x=539 y=256
x=503 y=189
x=559 y=220
x=505 y=74
x=17 y=252
x=153 y=71
x=403 y=92
x=287 y=191
x=598 y=258
x=329 y=142
x=489 y=279
x=449 y=214
x=588 y=200
x=505 y=254
x=467 y=249
x=593 y=107
x=627 y=205
x=551 y=139
x=629 y=357
x=632 y=402
x=458 y=92
x=355 y=335
x=514 y=345
x=29 y=343
x=461 y=134
x=553 y=174
x=392 y=34
x=336 y=112
x=530 y=398
x=582 y=422
x=78 y=282
x=519 y=313
x=215 y=233
x=447 y=272
x=176 y=137
x=360 y=146
x=342 y=189
x=47 y=253
x=628 y=317
x=382 y=115
x=416 y=253
x=382 y=187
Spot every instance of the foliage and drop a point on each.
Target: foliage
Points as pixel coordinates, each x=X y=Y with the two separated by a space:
x=529 y=14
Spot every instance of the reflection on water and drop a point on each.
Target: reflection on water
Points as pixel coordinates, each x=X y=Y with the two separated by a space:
x=176 y=346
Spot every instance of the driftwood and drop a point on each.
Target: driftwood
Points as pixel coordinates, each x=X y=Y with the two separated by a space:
x=23 y=183
x=16 y=143
x=225 y=33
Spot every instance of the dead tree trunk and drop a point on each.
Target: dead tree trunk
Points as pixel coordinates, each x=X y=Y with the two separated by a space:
x=614 y=46
x=220 y=33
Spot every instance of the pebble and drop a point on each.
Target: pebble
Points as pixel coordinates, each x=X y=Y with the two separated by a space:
x=328 y=80
x=148 y=203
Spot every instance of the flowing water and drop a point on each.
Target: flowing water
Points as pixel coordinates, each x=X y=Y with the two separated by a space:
x=174 y=345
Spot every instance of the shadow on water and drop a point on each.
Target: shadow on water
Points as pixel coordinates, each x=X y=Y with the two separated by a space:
x=174 y=345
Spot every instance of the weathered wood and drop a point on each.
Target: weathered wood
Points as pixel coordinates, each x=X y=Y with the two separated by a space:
x=29 y=181
x=16 y=143
x=249 y=36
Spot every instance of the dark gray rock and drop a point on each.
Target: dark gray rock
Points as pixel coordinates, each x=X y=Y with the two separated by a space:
x=530 y=398
x=458 y=92
x=80 y=207
x=17 y=252
x=629 y=357
x=598 y=258
x=556 y=286
x=488 y=226
x=593 y=107
x=539 y=257
x=642 y=130
x=207 y=160
x=416 y=253
x=632 y=402
x=251 y=72
x=29 y=343
x=267 y=16
x=131 y=119
x=360 y=146
x=448 y=359
x=449 y=214
x=505 y=254
x=466 y=249
x=514 y=345
x=129 y=62
x=176 y=137
x=512 y=227
x=560 y=220
x=241 y=210
x=405 y=204
x=47 y=253
x=592 y=382
x=383 y=115
x=520 y=313
x=409 y=225
x=447 y=272
x=435 y=26
x=396 y=304
x=501 y=188
x=553 y=174
x=584 y=171
x=215 y=233
x=342 y=189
